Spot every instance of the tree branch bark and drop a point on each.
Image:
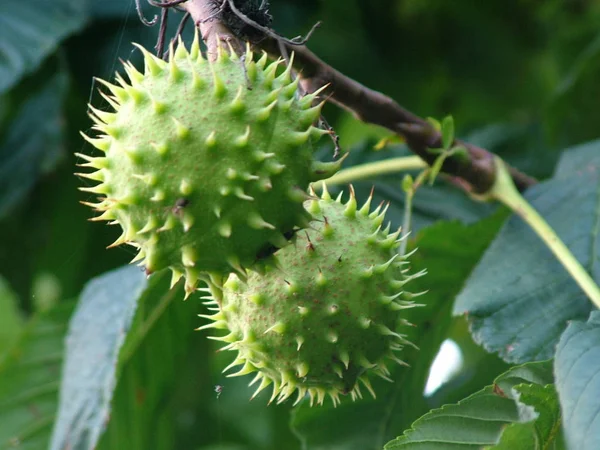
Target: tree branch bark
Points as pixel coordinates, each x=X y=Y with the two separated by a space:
x=475 y=174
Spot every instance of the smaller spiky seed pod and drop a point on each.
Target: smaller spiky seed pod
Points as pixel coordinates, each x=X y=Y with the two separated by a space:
x=323 y=316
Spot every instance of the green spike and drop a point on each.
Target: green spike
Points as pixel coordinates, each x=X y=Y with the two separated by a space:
x=105 y=117
x=219 y=88
x=106 y=215
x=147 y=178
x=98 y=189
x=189 y=256
x=322 y=170
x=308 y=99
x=264 y=113
x=161 y=148
x=95 y=176
x=350 y=210
x=169 y=224
x=260 y=156
x=344 y=358
x=195 y=52
x=112 y=130
x=299 y=342
x=332 y=337
x=110 y=100
x=381 y=268
x=197 y=82
x=181 y=130
x=224 y=228
x=175 y=277
x=257 y=222
x=277 y=327
x=185 y=187
x=298 y=138
x=271 y=96
x=175 y=73
x=187 y=221
x=152 y=65
x=263 y=384
x=135 y=76
x=365 y=381
x=311 y=115
x=262 y=61
x=251 y=70
x=211 y=140
x=158 y=107
x=296 y=194
x=278 y=240
x=275 y=168
x=119 y=93
x=269 y=73
x=242 y=140
x=151 y=225
x=237 y=105
x=181 y=52
x=286 y=76
x=158 y=196
x=301 y=394
x=290 y=90
x=239 y=193
x=303 y=310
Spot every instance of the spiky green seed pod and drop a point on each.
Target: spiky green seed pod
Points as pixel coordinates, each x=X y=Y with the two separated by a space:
x=204 y=164
x=325 y=315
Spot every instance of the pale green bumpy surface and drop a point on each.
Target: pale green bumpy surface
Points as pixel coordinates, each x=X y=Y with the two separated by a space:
x=205 y=164
x=324 y=315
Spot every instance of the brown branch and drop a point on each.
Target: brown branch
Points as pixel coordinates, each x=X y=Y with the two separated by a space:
x=214 y=32
x=475 y=174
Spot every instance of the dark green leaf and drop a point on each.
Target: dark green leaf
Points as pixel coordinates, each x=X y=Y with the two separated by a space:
x=163 y=393
x=519 y=297
x=577 y=369
x=31 y=30
x=518 y=398
x=11 y=321
x=448 y=251
x=33 y=142
x=29 y=381
x=96 y=334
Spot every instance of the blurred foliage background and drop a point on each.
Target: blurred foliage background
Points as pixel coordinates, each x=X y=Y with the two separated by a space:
x=520 y=78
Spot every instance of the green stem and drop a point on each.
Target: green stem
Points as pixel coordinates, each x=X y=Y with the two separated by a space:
x=408 y=200
x=504 y=191
x=370 y=170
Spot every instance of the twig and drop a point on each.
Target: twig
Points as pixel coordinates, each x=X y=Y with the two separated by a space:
x=476 y=173
x=213 y=31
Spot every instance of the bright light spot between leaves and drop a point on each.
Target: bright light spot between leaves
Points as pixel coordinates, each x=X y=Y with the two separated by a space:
x=445 y=365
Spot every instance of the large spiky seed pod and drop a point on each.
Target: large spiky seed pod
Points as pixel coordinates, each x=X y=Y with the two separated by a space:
x=324 y=315
x=204 y=164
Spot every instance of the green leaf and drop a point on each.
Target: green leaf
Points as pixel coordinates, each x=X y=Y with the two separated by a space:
x=29 y=381
x=519 y=298
x=162 y=375
x=32 y=30
x=577 y=368
x=545 y=431
x=96 y=334
x=33 y=141
x=11 y=321
x=448 y=251
x=447 y=132
x=518 y=410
